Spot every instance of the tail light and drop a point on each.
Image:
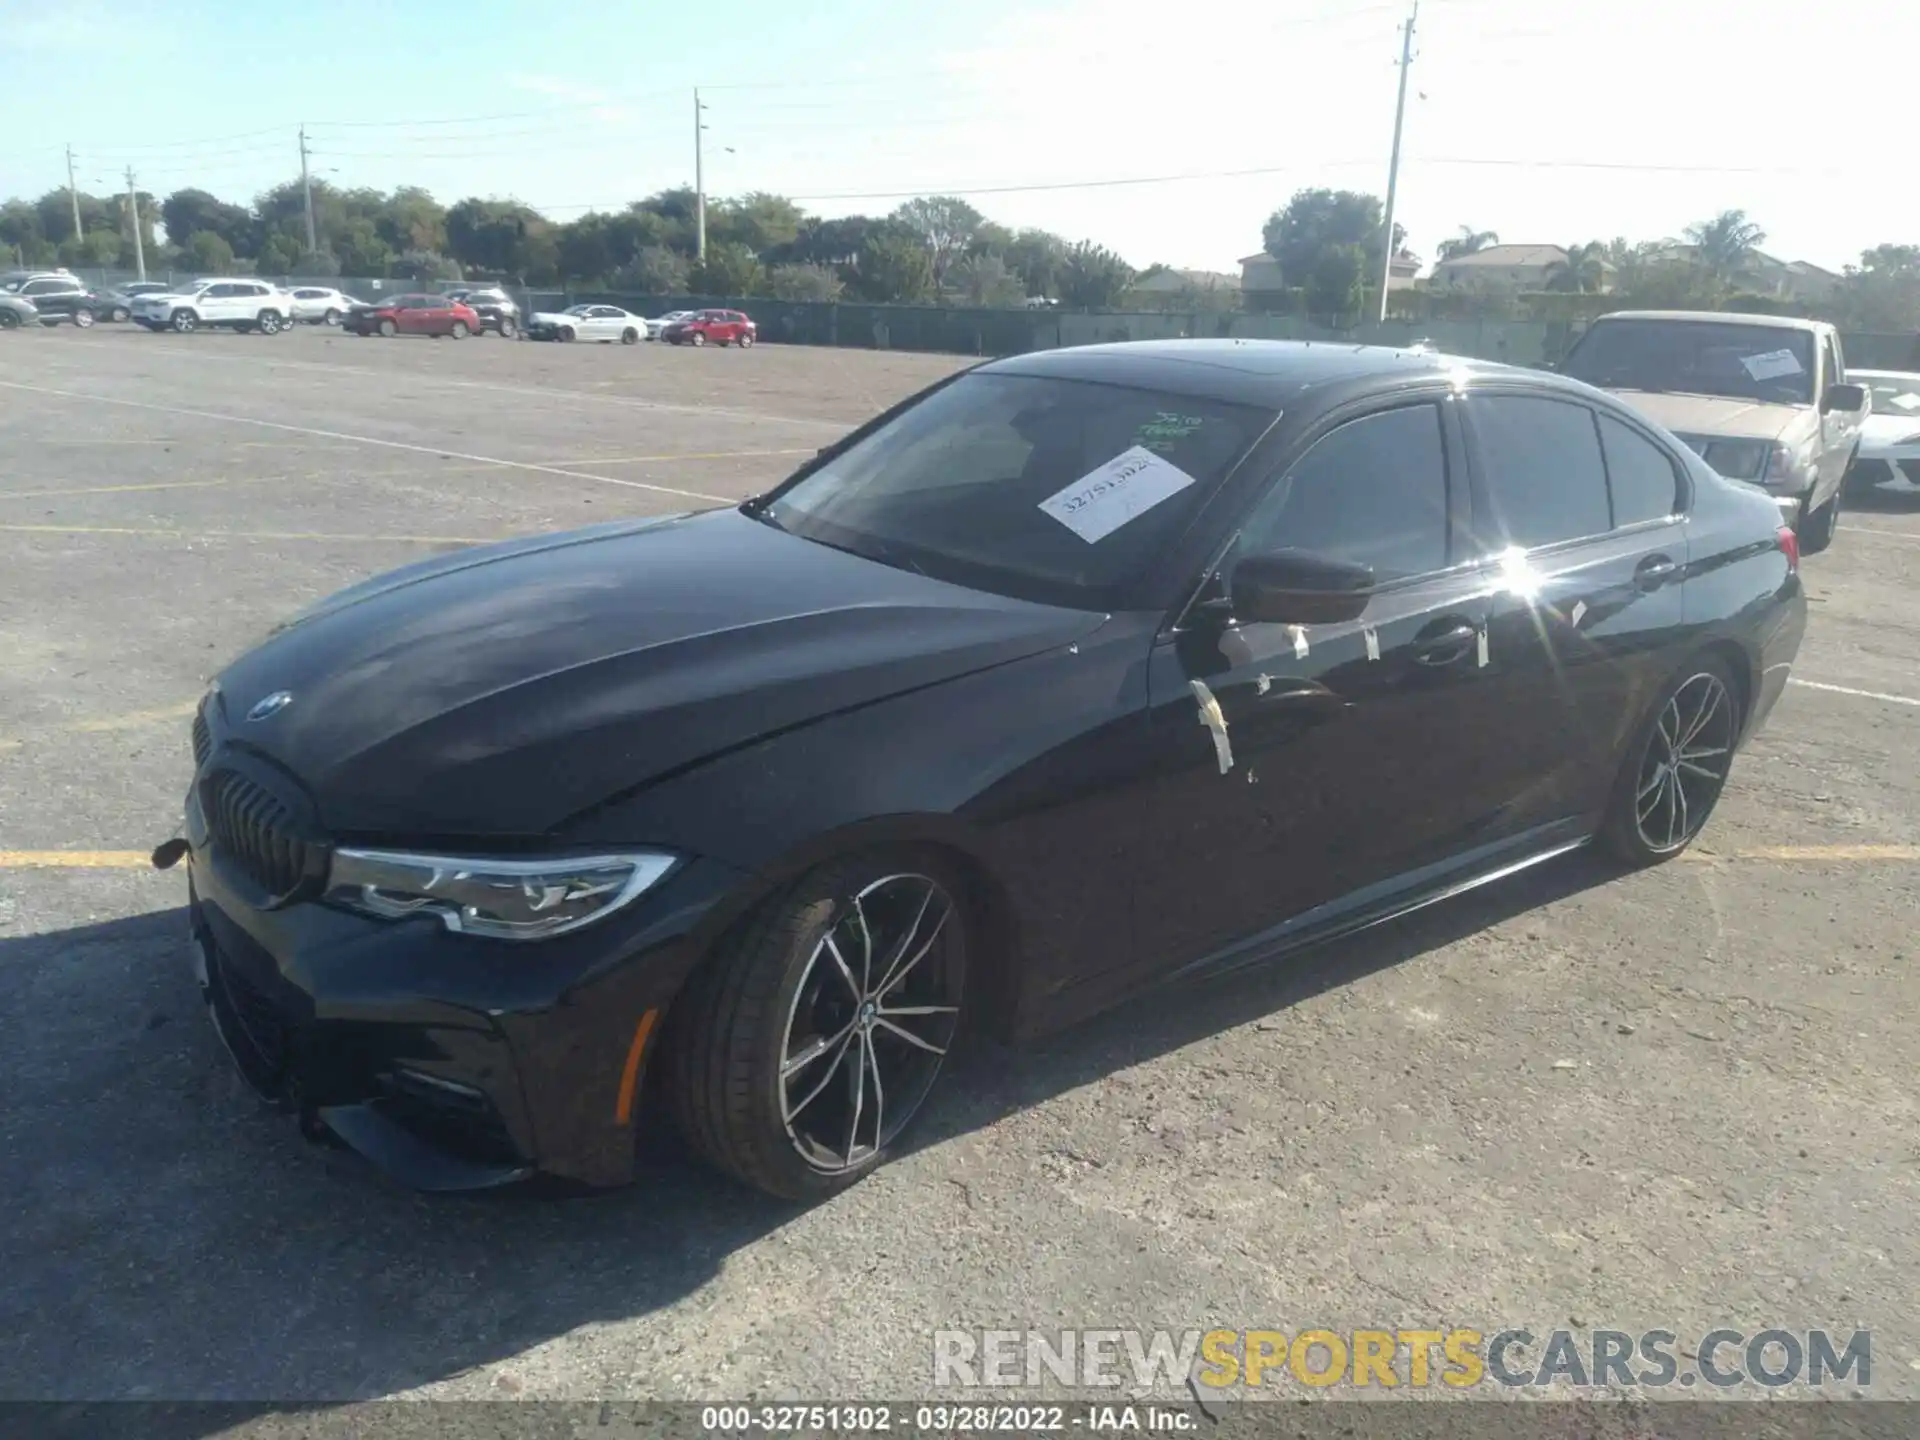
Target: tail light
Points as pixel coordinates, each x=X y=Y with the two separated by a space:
x=1789 y=545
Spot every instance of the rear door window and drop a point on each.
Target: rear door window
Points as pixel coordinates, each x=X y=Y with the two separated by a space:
x=1640 y=475
x=1541 y=479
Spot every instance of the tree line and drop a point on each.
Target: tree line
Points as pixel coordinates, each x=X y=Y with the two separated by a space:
x=933 y=247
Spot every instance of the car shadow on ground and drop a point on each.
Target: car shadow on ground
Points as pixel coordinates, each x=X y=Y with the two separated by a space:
x=166 y=1238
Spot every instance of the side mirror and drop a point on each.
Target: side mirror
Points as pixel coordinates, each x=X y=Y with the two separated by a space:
x=1848 y=399
x=1293 y=587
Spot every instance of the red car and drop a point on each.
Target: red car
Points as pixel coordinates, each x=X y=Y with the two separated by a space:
x=717 y=327
x=433 y=315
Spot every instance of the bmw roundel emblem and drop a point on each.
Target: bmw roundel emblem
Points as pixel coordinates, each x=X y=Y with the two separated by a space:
x=269 y=706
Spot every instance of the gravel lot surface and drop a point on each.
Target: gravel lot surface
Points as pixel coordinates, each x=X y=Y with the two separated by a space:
x=1682 y=1099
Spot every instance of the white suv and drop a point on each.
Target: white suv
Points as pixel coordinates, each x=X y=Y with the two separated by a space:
x=234 y=304
x=321 y=307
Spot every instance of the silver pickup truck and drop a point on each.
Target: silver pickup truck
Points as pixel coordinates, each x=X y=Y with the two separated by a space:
x=1760 y=397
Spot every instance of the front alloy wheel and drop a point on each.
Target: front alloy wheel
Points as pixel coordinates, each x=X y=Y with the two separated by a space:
x=699 y=337
x=1678 y=768
x=804 y=1050
x=83 y=319
x=184 y=321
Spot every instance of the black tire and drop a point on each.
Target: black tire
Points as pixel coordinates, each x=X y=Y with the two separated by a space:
x=731 y=1031
x=83 y=318
x=9 y=320
x=1817 y=527
x=699 y=337
x=746 y=341
x=629 y=337
x=119 y=315
x=332 y=317
x=566 y=334
x=388 y=329
x=459 y=330
x=184 y=322
x=1643 y=825
x=267 y=322
x=507 y=328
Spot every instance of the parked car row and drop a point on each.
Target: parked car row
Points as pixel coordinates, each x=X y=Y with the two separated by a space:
x=248 y=304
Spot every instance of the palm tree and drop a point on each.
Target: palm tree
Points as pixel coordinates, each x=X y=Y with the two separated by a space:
x=1724 y=244
x=1583 y=272
x=1465 y=243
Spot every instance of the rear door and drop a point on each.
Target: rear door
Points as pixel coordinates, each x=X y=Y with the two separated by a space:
x=53 y=297
x=1578 y=517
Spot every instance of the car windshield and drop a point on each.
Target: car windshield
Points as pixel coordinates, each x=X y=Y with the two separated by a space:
x=1060 y=491
x=1892 y=394
x=1769 y=363
x=577 y=309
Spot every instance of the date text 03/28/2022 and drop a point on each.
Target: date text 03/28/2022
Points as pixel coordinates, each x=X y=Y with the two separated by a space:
x=947 y=1419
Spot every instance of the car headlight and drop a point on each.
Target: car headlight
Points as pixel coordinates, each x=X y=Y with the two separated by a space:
x=500 y=899
x=1737 y=459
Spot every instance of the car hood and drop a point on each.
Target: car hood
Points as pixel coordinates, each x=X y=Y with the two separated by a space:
x=1890 y=428
x=1715 y=415
x=166 y=297
x=503 y=689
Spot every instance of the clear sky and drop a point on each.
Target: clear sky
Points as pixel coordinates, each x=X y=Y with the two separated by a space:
x=1581 y=120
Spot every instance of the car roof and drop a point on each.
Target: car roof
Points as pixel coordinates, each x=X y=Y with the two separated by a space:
x=1259 y=372
x=1718 y=317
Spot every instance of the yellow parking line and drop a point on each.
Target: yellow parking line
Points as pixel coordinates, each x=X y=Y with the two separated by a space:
x=1785 y=854
x=701 y=455
x=134 y=719
x=126 y=489
x=1812 y=854
x=75 y=860
x=171 y=534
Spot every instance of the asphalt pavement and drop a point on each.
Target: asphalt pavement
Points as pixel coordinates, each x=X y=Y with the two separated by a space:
x=1680 y=1099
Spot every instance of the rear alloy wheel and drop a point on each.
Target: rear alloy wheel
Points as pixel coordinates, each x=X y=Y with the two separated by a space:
x=267 y=322
x=804 y=1049
x=1817 y=527
x=507 y=328
x=459 y=331
x=185 y=322
x=120 y=315
x=629 y=337
x=699 y=337
x=83 y=318
x=388 y=329
x=1676 y=766
x=332 y=317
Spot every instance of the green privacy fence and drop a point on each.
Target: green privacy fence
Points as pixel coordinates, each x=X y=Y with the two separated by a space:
x=963 y=331
x=966 y=331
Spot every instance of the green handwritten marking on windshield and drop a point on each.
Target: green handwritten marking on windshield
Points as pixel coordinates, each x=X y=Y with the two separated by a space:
x=1165 y=428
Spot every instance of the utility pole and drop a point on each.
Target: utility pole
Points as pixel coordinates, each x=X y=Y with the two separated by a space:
x=699 y=183
x=73 y=194
x=1393 y=168
x=133 y=209
x=306 y=185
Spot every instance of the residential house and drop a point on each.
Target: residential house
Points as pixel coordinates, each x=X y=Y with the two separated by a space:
x=1178 y=282
x=1261 y=273
x=1507 y=270
x=1793 y=280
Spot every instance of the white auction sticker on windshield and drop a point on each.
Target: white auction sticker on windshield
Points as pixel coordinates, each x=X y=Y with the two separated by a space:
x=1130 y=484
x=1772 y=364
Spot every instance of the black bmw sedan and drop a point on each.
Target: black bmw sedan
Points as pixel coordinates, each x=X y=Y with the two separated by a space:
x=1077 y=674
